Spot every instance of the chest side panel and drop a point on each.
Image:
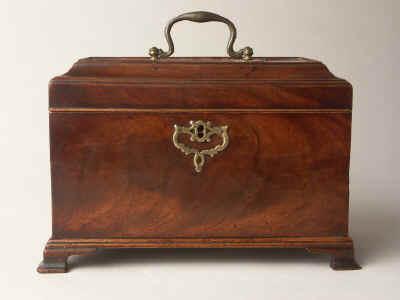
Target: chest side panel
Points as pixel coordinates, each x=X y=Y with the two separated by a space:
x=118 y=174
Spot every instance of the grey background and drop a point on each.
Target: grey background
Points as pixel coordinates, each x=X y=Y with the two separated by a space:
x=358 y=40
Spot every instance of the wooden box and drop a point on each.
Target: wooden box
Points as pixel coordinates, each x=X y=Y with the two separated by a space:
x=199 y=153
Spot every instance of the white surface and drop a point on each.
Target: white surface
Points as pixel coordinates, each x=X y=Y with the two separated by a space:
x=358 y=40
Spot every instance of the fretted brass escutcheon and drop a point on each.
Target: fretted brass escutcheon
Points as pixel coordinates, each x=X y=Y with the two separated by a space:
x=201 y=132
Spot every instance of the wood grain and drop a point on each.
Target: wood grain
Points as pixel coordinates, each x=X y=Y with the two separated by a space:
x=120 y=175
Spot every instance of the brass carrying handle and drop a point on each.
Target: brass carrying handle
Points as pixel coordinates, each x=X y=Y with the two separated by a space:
x=201 y=17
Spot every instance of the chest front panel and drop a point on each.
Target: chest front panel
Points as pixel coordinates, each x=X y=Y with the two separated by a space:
x=120 y=174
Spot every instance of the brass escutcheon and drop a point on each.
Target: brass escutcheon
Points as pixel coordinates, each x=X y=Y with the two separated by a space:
x=201 y=132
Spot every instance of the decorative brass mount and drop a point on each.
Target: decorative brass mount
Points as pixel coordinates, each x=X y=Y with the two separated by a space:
x=201 y=132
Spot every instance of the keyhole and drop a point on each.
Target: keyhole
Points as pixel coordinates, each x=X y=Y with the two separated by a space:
x=200 y=129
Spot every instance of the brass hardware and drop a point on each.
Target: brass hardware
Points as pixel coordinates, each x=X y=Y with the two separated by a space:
x=201 y=17
x=201 y=132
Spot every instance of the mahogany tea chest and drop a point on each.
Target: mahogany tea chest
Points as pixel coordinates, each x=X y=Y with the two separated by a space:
x=206 y=152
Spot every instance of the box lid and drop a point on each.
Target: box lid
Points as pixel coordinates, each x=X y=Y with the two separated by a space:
x=202 y=82
x=160 y=81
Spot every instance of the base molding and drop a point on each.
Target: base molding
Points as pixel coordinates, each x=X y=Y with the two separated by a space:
x=57 y=251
